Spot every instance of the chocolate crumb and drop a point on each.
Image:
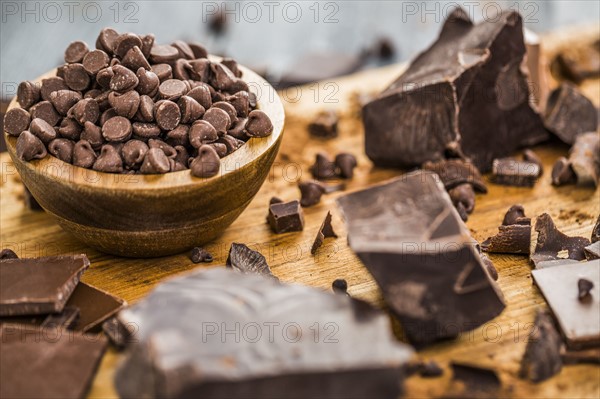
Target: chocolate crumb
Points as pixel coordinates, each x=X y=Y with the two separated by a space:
x=345 y=164
x=584 y=286
x=311 y=193
x=200 y=255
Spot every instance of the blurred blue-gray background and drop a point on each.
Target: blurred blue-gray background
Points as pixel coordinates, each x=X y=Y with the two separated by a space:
x=266 y=35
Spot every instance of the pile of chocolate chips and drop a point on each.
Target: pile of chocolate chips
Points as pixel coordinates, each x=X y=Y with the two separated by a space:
x=133 y=106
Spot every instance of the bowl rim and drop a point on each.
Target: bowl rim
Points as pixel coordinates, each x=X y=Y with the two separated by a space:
x=268 y=101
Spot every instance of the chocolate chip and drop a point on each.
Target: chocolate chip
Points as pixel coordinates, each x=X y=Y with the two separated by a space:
x=167 y=115
x=311 y=193
x=145 y=110
x=515 y=215
x=231 y=111
x=286 y=217
x=232 y=65
x=133 y=153
x=75 y=52
x=109 y=159
x=148 y=82
x=42 y=130
x=125 y=104
x=62 y=149
x=92 y=134
x=50 y=85
x=145 y=131
x=8 y=254
x=134 y=59
x=340 y=286
x=185 y=51
x=86 y=110
x=125 y=42
x=220 y=148
x=510 y=172
x=222 y=77
x=198 y=50
x=178 y=136
x=345 y=164
x=238 y=130
x=95 y=61
x=76 y=77
x=117 y=129
x=106 y=40
x=190 y=109
x=28 y=93
x=231 y=143
x=69 y=129
x=218 y=118
x=30 y=147
x=172 y=89
x=325 y=125
x=551 y=242
x=562 y=172
x=584 y=287
x=163 y=71
x=241 y=103
x=323 y=168
x=46 y=111
x=325 y=231
x=163 y=54
x=200 y=255
x=147 y=44
x=201 y=93
x=16 y=120
x=259 y=124
x=169 y=151
x=123 y=79
x=464 y=195
x=200 y=70
x=155 y=162
x=83 y=154
x=63 y=100
x=207 y=163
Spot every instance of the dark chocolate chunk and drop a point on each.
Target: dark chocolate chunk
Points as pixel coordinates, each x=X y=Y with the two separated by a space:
x=8 y=253
x=40 y=285
x=454 y=172
x=244 y=260
x=510 y=172
x=286 y=217
x=592 y=251
x=190 y=109
x=382 y=223
x=167 y=115
x=475 y=380
x=39 y=362
x=569 y=113
x=125 y=42
x=30 y=147
x=65 y=320
x=596 y=231
x=202 y=132
x=200 y=255
x=207 y=163
x=542 y=358
x=476 y=78
x=345 y=164
x=230 y=109
x=172 y=89
x=323 y=168
x=511 y=239
x=325 y=231
x=562 y=172
x=578 y=320
x=324 y=125
x=75 y=52
x=310 y=192
x=86 y=110
x=224 y=299
x=340 y=286
x=584 y=286
x=584 y=158
x=201 y=94
x=198 y=50
x=16 y=120
x=532 y=157
x=76 y=77
x=552 y=244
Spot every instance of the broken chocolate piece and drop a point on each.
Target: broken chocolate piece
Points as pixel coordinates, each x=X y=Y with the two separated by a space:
x=243 y=259
x=596 y=231
x=515 y=215
x=214 y=362
x=40 y=285
x=512 y=239
x=584 y=158
x=579 y=321
x=475 y=380
x=569 y=113
x=510 y=172
x=200 y=255
x=406 y=231
x=325 y=231
x=117 y=333
x=542 y=359
x=7 y=253
x=66 y=319
x=310 y=192
x=469 y=77
x=552 y=244
x=454 y=172
x=340 y=286
x=562 y=172
x=95 y=306
x=584 y=286
x=324 y=125
x=37 y=363
x=592 y=251
x=286 y=217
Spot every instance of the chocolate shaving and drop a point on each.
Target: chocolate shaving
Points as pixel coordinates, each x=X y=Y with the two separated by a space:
x=542 y=358
x=552 y=244
x=243 y=259
x=325 y=231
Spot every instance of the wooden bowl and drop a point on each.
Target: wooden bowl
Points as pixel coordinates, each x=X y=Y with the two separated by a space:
x=154 y=215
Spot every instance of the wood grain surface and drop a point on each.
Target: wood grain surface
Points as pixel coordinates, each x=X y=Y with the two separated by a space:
x=499 y=343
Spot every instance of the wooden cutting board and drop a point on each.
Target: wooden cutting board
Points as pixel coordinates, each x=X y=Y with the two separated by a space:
x=499 y=344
